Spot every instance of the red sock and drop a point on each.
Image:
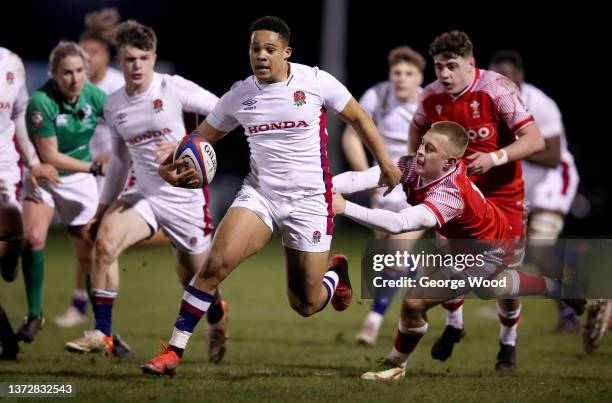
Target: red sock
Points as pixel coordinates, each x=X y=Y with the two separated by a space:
x=531 y=284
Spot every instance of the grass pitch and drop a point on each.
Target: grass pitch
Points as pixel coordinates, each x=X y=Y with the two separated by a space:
x=276 y=355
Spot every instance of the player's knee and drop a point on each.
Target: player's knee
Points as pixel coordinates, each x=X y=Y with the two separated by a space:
x=106 y=248
x=36 y=238
x=545 y=227
x=215 y=270
x=303 y=308
x=412 y=307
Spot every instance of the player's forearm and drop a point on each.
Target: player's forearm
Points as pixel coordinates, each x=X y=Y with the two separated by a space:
x=353 y=150
x=530 y=141
x=116 y=177
x=353 y=182
x=551 y=156
x=410 y=219
x=27 y=148
x=63 y=162
x=208 y=132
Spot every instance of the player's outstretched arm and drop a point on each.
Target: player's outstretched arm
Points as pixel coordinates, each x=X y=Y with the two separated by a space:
x=354 y=115
x=410 y=219
x=353 y=182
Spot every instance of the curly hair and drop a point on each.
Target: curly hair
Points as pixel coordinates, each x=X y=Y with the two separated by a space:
x=452 y=44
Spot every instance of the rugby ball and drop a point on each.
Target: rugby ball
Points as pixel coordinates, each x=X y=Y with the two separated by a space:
x=199 y=155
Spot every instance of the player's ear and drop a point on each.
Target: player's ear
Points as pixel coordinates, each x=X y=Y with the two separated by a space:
x=287 y=54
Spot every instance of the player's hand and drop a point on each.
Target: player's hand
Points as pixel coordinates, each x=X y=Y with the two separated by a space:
x=178 y=174
x=44 y=172
x=164 y=148
x=91 y=228
x=390 y=176
x=338 y=203
x=481 y=163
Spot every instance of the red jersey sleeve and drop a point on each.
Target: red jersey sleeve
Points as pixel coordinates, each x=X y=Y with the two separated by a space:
x=445 y=202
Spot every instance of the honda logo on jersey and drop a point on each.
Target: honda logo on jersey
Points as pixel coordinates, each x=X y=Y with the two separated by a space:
x=276 y=126
x=480 y=133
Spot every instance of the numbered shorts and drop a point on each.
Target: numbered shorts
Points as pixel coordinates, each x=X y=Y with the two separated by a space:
x=75 y=199
x=187 y=224
x=306 y=224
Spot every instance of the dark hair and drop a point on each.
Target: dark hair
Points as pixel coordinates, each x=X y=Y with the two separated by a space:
x=274 y=24
x=455 y=133
x=452 y=44
x=101 y=26
x=135 y=34
x=508 y=56
x=408 y=55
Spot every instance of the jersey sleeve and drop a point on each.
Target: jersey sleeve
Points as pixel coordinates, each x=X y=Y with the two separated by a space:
x=194 y=98
x=369 y=101
x=40 y=117
x=406 y=164
x=445 y=203
x=222 y=116
x=510 y=106
x=334 y=94
x=548 y=117
x=21 y=103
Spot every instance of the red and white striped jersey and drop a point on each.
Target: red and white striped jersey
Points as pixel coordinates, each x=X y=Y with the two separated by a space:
x=460 y=208
x=492 y=112
x=285 y=127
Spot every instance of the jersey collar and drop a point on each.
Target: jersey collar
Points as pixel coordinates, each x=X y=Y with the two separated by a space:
x=286 y=83
x=469 y=88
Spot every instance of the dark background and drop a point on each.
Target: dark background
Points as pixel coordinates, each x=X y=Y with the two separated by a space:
x=564 y=51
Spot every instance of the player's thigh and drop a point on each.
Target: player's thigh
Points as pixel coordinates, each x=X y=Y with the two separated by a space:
x=241 y=233
x=305 y=272
x=122 y=226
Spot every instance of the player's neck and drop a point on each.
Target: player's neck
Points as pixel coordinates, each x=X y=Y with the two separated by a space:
x=133 y=89
x=97 y=76
x=469 y=84
x=411 y=98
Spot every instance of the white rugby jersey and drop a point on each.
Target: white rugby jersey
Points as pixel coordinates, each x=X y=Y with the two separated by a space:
x=100 y=142
x=139 y=122
x=13 y=102
x=285 y=128
x=548 y=118
x=392 y=117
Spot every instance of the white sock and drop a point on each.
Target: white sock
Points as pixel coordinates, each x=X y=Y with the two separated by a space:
x=179 y=338
x=374 y=319
x=455 y=318
x=507 y=334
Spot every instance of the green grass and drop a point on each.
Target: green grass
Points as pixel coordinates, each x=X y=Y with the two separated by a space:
x=276 y=355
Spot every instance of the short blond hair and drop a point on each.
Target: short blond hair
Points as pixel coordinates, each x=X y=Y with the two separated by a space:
x=63 y=50
x=455 y=133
